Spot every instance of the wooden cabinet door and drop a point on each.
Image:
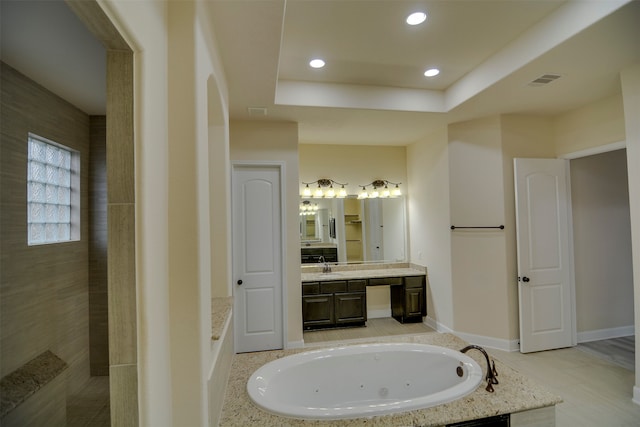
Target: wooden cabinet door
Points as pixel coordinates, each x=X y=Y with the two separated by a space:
x=317 y=310
x=350 y=307
x=413 y=302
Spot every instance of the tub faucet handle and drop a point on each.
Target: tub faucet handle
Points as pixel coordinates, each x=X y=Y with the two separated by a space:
x=491 y=366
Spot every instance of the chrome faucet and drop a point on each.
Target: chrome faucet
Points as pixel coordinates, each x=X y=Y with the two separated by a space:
x=491 y=367
x=326 y=268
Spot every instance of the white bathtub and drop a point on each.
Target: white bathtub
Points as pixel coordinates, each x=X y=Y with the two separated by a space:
x=363 y=380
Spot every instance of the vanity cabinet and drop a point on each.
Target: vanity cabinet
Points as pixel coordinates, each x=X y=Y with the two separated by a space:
x=334 y=303
x=329 y=304
x=310 y=255
x=408 y=302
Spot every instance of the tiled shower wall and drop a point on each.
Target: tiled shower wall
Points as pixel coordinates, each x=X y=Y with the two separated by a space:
x=44 y=290
x=98 y=298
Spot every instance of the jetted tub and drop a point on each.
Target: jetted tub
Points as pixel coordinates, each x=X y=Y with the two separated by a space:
x=363 y=380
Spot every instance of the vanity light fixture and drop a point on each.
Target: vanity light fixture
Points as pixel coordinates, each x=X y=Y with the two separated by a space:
x=319 y=193
x=306 y=208
x=380 y=189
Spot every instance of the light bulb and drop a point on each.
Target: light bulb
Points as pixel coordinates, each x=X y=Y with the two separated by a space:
x=396 y=192
x=331 y=193
x=363 y=194
x=416 y=18
x=306 y=192
x=342 y=193
x=318 y=193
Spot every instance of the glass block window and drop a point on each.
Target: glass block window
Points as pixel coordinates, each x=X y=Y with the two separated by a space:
x=50 y=183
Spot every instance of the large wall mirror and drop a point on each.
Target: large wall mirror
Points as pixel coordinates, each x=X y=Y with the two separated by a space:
x=353 y=230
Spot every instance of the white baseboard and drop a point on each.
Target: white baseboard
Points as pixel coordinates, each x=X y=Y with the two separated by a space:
x=377 y=314
x=490 y=342
x=605 y=334
x=433 y=324
x=481 y=340
x=295 y=344
x=636 y=395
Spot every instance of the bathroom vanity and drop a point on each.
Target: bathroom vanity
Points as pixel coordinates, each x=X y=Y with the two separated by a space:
x=339 y=299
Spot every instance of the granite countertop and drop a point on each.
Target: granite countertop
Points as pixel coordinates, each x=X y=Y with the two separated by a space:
x=318 y=246
x=515 y=393
x=220 y=310
x=319 y=276
x=17 y=386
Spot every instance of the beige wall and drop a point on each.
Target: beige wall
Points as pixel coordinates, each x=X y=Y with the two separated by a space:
x=478 y=258
x=595 y=124
x=352 y=164
x=602 y=242
x=43 y=288
x=429 y=222
x=278 y=142
x=470 y=271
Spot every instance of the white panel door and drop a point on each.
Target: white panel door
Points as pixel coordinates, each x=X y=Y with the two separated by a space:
x=257 y=258
x=545 y=267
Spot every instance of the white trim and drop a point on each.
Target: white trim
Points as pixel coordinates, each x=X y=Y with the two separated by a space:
x=377 y=314
x=439 y=327
x=490 y=342
x=594 y=150
x=572 y=266
x=295 y=344
x=603 y=334
x=636 y=395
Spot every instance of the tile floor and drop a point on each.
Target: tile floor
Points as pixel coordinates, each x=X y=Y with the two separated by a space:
x=90 y=407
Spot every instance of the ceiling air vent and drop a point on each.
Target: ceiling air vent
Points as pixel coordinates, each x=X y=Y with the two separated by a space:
x=545 y=79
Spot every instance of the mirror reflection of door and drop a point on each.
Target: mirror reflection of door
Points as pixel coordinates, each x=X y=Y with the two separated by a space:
x=370 y=230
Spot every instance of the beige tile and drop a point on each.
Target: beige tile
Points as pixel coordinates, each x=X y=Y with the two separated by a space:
x=122 y=285
x=123 y=384
x=120 y=143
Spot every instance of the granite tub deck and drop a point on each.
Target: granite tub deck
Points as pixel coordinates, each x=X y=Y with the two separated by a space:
x=515 y=393
x=220 y=311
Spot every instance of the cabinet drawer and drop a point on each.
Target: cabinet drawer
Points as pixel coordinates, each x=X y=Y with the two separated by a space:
x=359 y=285
x=311 y=288
x=414 y=281
x=331 y=287
x=385 y=281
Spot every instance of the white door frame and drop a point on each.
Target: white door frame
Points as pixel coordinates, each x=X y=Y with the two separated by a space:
x=283 y=221
x=577 y=155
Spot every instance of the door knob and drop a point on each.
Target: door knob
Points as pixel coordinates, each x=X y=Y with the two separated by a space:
x=525 y=279
x=239 y=282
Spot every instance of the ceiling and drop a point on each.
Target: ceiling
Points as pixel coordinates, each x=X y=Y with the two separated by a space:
x=372 y=90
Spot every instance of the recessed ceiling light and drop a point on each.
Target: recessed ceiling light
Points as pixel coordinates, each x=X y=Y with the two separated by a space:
x=432 y=72
x=316 y=63
x=416 y=18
